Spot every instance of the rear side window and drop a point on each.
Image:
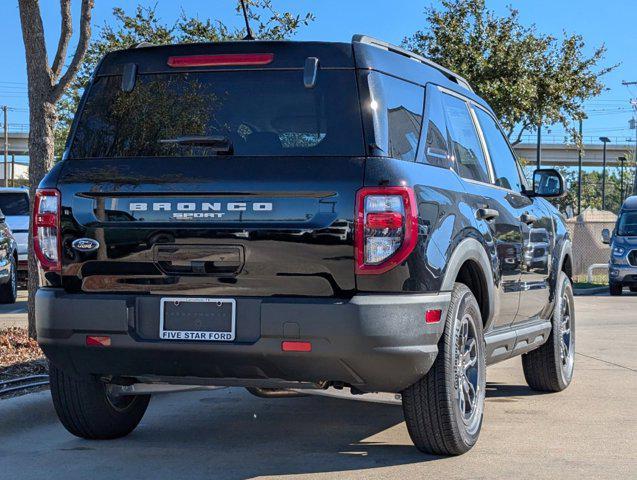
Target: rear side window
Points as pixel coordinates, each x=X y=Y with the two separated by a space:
x=467 y=148
x=14 y=203
x=259 y=112
x=503 y=161
x=397 y=110
x=435 y=149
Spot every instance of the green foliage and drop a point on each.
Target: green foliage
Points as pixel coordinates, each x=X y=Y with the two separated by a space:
x=144 y=25
x=528 y=78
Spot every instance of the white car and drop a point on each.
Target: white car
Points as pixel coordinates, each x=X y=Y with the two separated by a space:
x=14 y=203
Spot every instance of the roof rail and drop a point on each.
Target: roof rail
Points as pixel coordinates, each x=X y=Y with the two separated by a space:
x=366 y=39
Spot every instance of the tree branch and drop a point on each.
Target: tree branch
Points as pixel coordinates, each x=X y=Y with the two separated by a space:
x=80 y=51
x=38 y=71
x=518 y=139
x=65 y=36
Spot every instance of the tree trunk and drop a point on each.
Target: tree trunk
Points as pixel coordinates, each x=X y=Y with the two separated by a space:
x=42 y=122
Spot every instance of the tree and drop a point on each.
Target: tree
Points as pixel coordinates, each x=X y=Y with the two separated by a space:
x=529 y=78
x=46 y=85
x=144 y=25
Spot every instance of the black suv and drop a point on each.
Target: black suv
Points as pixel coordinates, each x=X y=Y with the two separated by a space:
x=289 y=215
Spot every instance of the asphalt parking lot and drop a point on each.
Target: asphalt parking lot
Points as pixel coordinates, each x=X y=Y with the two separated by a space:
x=588 y=431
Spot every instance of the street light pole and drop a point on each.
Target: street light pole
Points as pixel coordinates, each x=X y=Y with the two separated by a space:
x=579 y=170
x=605 y=140
x=538 y=157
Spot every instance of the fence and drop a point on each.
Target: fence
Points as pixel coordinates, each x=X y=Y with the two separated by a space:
x=587 y=243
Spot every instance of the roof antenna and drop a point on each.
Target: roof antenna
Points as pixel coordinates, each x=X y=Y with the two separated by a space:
x=245 y=17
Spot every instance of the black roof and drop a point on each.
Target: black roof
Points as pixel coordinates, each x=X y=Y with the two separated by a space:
x=362 y=52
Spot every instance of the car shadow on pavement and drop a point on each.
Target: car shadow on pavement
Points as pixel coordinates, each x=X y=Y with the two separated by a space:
x=503 y=390
x=249 y=437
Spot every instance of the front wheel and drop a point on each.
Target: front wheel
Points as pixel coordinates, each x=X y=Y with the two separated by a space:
x=615 y=288
x=550 y=367
x=443 y=411
x=87 y=410
x=9 y=289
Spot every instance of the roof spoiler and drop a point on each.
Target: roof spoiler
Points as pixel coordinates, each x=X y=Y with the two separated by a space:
x=366 y=39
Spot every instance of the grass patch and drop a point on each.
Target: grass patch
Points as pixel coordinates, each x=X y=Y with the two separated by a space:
x=581 y=281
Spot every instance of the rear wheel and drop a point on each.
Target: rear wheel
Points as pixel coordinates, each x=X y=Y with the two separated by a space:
x=550 y=367
x=443 y=411
x=85 y=408
x=615 y=288
x=9 y=289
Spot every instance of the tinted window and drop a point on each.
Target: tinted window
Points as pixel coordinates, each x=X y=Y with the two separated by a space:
x=466 y=145
x=627 y=224
x=259 y=112
x=14 y=203
x=502 y=159
x=397 y=109
x=435 y=150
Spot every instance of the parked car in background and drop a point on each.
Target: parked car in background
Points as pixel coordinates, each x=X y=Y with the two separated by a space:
x=622 y=267
x=14 y=203
x=8 y=264
x=536 y=251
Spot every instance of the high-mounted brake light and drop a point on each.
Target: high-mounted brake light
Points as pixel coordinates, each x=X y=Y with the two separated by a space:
x=220 y=60
x=386 y=229
x=46 y=229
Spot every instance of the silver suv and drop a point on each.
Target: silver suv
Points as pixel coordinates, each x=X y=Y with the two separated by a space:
x=622 y=268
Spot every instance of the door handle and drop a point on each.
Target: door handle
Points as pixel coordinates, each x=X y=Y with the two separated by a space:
x=528 y=218
x=487 y=214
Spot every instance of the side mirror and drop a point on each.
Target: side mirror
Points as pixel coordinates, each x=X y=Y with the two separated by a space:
x=548 y=183
x=606 y=236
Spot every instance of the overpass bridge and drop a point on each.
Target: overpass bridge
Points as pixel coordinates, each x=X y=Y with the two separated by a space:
x=557 y=152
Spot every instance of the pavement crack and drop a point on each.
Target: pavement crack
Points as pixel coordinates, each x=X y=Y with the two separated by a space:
x=606 y=362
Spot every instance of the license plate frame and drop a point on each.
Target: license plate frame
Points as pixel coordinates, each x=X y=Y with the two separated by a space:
x=197 y=335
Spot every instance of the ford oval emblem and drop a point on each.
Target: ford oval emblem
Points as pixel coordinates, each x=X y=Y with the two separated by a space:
x=85 y=244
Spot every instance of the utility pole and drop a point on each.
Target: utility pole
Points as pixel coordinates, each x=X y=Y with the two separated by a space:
x=605 y=140
x=579 y=170
x=6 y=145
x=621 y=181
x=538 y=158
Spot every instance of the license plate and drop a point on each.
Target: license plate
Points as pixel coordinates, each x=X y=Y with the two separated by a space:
x=202 y=319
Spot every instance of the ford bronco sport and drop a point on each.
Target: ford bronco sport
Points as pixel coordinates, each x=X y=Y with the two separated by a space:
x=288 y=215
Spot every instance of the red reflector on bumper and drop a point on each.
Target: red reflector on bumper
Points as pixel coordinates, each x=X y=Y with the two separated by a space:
x=296 y=346
x=94 y=341
x=433 y=316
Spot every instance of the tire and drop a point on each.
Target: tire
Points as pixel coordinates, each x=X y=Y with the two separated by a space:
x=436 y=421
x=9 y=289
x=86 y=411
x=615 y=289
x=549 y=368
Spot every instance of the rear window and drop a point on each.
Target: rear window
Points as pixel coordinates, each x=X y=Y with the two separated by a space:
x=259 y=112
x=14 y=203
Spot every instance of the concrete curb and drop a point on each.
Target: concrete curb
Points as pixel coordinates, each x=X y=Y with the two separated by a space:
x=590 y=291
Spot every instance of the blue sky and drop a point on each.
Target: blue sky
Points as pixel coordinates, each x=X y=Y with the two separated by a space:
x=613 y=24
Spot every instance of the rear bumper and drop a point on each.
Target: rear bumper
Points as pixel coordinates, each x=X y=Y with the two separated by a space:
x=374 y=343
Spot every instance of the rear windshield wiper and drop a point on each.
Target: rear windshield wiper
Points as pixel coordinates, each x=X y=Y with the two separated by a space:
x=218 y=143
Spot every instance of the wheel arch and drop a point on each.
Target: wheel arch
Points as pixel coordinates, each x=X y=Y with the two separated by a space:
x=470 y=264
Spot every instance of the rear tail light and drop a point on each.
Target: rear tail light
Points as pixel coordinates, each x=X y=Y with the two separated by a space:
x=220 y=60
x=386 y=228
x=46 y=229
